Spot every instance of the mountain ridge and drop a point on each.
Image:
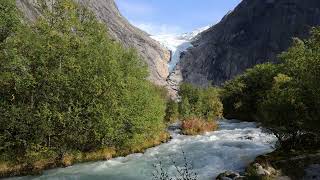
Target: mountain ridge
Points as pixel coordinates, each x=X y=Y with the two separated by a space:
x=253 y=33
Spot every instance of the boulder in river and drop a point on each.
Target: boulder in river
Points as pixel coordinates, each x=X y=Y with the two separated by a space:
x=229 y=175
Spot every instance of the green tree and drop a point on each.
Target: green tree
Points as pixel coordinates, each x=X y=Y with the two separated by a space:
x=185 y=108
x=9 y=18
x=172 y=111
x=242 y=95
x=301 y=62
x=66 y=86
x=283 y=109
x=212 y=105
x=284 y=97
x=202 y=103
x=291 y=106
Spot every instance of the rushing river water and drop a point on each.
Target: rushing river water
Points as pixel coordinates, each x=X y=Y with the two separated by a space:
x=232 y=147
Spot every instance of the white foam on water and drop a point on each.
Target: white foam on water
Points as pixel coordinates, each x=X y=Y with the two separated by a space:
x=232 y=147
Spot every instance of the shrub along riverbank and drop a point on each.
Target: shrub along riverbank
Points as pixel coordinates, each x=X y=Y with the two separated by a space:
x=54 y=160
x=197 y=108
x=68 y=93
x=285 y=98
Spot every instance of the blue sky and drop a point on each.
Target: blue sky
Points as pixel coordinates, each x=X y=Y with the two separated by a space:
x=174 y=16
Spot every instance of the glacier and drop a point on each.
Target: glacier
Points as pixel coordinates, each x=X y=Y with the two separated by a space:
x=177 y=44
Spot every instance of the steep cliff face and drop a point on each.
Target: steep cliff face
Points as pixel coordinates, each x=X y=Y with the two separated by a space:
x=255 y=32
x=154 y=54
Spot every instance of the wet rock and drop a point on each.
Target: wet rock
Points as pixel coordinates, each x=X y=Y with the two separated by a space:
x=312 y=172
x=260 y=171
x=286 y=165
x=247 y=138
x=282 y=178
x=229 y=175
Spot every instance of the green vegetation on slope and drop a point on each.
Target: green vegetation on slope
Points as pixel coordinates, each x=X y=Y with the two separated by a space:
x=66 y=87
x=285 y=97
x=8 y=18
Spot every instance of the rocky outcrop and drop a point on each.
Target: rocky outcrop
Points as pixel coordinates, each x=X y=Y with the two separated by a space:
x=280 y=165
x=154 y=54
x=255 y=32
x=174 y=80
x=293 y=165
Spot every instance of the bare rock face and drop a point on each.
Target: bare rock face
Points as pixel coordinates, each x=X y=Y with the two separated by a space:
x=255 y=32
x=154 y=54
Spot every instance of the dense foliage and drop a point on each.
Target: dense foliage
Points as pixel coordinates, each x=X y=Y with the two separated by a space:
x=9 y=19
x=242 y=95
x=172 y=111
x=65 y=86
x=198 y=108
x=285 y=97
x=203 y=103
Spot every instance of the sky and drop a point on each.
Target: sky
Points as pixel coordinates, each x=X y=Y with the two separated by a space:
x=158 y=17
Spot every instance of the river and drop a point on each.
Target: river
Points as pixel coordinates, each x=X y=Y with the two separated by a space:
x=232 y=147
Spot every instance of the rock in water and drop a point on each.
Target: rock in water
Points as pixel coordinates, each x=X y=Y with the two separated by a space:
x=255 y=32
x=229 y=175
x=312 y=172
x=154 y=54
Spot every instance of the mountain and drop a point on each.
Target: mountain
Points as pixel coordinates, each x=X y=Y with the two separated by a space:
x=177 y=44
x=253 y=33
x=154 y=54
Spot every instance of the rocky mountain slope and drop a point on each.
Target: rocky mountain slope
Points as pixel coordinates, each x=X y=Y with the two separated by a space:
x=177 y=44
x=154 y=54
x=255 y=32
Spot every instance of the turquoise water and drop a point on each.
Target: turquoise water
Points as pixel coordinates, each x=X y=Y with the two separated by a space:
x=232 y=147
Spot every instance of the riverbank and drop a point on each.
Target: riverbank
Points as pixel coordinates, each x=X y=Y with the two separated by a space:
x=293 y=164
x=10 y=169
x=284 y=165
x=209 y=153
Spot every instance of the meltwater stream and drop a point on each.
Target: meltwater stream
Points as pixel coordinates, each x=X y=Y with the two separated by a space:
x=232 y=147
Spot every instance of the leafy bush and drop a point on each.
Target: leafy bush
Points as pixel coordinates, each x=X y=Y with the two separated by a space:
x=199 y=109
x=198 y=102
x=9 y=19
x=242 y=95
x=66 y=86
x=285 y=97
x=172 y=111
x=194 y=126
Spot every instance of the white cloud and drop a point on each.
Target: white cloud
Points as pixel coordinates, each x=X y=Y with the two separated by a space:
x=158 y=29
x=135 y=8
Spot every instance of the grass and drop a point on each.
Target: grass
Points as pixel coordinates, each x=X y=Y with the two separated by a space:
x=196 y=126
x=9 y=169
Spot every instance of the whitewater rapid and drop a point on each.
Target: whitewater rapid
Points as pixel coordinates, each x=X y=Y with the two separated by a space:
x=232 y=147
